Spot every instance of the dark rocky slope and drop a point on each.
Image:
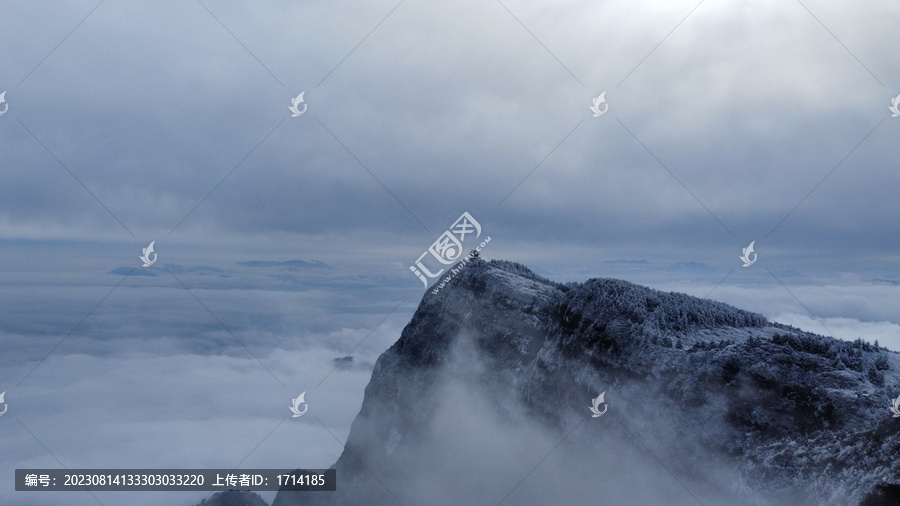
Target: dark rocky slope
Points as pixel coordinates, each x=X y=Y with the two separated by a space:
x=484 y=399
x=233 y=498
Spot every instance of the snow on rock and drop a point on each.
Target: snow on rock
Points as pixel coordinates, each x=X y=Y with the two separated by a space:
x=728 y=407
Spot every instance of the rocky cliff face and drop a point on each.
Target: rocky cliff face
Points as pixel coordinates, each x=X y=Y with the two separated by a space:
x=485 y=399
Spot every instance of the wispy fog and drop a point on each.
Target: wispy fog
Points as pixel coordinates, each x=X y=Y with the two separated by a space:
x=485 y=443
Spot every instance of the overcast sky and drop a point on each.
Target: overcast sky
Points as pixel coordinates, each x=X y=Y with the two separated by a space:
x=129 y=122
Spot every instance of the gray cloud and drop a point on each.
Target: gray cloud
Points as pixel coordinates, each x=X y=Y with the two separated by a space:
x=155 y=111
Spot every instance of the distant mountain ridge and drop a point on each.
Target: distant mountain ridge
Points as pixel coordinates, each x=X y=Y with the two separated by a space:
x=706 y=403
x=204 y=270
x=289 y=264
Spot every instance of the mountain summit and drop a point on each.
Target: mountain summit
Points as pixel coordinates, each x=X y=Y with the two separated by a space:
x=491 y=396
